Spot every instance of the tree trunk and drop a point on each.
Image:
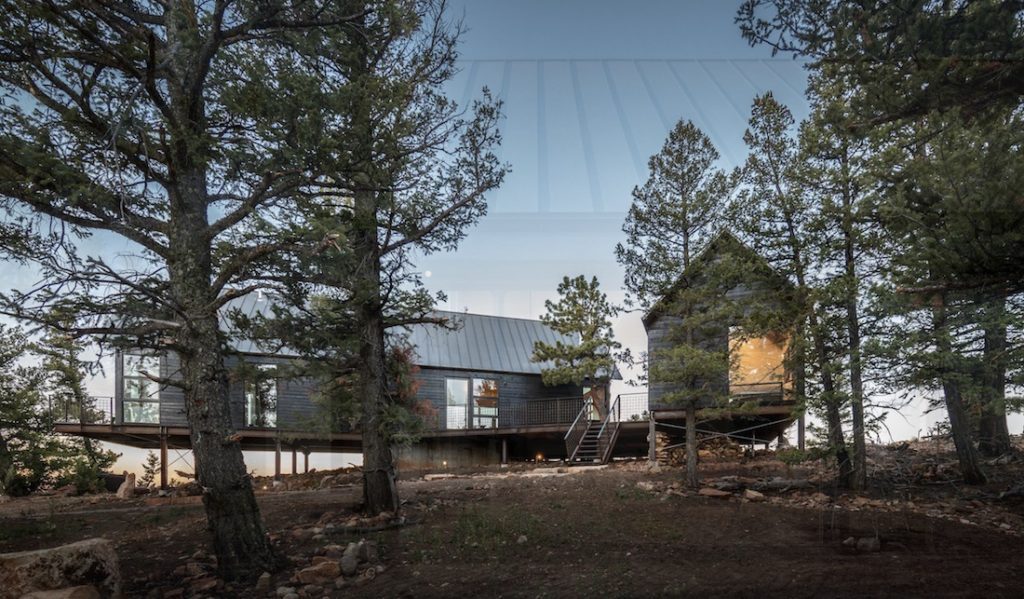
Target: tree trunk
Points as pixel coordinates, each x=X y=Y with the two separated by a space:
x=833 y=416
x=380 y=493
x=959 y=423
x=239 y=540
x=692 y=477
x=858 y=474
x=993 y=432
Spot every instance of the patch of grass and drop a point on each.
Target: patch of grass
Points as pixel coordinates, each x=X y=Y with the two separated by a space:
x=24 y=528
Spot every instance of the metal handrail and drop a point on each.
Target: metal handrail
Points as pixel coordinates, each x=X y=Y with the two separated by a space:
x=605 y=442
x=586 y=404
x=574 y=435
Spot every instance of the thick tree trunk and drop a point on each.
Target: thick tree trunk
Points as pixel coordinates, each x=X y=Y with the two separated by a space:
x=959 y=423
x=692 y=478
x=239 y=540
x=993 y=432
x=380 y=493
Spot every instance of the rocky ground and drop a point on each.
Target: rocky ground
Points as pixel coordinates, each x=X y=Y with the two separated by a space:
x=760 y=526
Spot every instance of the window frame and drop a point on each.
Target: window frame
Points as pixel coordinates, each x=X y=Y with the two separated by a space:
x=146 y=401
x=250 y=385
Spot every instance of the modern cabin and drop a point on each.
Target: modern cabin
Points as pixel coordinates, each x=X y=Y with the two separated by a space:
x=751 y=397
x=481 y=398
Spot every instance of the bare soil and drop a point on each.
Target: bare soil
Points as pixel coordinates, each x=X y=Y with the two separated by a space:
x=614 y=532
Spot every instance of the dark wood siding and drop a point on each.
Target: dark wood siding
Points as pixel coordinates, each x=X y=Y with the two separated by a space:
x=296 y=409
x=515 y=391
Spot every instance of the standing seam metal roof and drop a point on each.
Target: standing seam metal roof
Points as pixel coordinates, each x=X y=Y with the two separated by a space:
x=491 y=343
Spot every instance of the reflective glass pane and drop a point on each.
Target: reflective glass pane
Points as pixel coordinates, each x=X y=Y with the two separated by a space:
x=145 y=412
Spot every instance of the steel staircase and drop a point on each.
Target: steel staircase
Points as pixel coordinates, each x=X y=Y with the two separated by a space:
x=592 y=441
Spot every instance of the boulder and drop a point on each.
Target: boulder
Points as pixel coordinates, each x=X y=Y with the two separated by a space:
x=322 y=573
x=86 y=591
x=90 y=562
x=127 y=488
x=350 y=559
x=752 y=495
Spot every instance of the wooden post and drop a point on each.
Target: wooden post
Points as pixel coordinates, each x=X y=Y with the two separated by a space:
x=504 y=452
x=277 y=459
x=652 y=441
x=691 y=445
x=163 y=461
x=305 y=466
x=295 y=460
x=800 y=433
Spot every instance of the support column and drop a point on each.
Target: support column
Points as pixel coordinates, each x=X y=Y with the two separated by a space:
x=295 y=460
x=691 y=445
x=652 y=441
x=305 y=465
x=800 y=433
x=277 y=459
x=163 y=460
x=504 y=452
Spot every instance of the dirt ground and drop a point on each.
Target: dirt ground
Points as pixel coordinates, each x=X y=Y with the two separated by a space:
x=615 y=532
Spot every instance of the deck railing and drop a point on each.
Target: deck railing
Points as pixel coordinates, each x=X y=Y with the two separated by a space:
x=609 y=430
x=100 y=410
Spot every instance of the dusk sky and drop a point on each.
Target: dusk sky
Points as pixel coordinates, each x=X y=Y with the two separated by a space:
x=591 y=89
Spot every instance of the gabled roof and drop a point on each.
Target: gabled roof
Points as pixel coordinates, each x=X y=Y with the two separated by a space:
x=724 y=240
x=480 y=342
x=477 y=341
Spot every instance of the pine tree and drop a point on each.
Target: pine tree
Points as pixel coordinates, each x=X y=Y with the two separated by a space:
x=150 y=469
x=909 y=58
x=952 y=207
x=406 y=175
x=583 y=314
x=184 y=131
x=674 y=215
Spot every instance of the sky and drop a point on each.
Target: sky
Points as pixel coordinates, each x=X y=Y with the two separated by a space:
x=590 y=91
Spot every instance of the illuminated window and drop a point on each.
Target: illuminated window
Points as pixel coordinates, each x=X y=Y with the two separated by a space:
x=485 y=403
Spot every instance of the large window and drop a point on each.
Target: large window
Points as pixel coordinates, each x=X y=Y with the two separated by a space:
x=261 y=397
x=456 y=403
x=485 y=403
x=140 y=397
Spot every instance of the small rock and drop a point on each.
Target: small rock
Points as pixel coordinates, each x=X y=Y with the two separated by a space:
x=752 y=495
x=850 y=542
x=313 y=590
x=645 y=485
x=319 y=559
x=869 y=544
x=1005 y=526
x=820 y=498
x=263 y=582
x=194 y=569
x=285 y=591
x=321 y=573
x=339 y=582
x=291 y=596
x=333 y=551
x=710 y=492
x=522 y=539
